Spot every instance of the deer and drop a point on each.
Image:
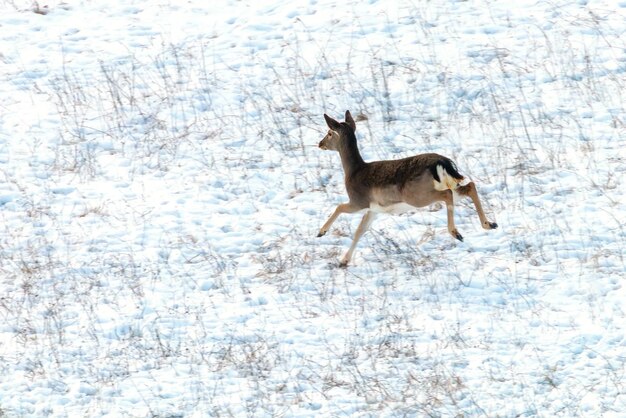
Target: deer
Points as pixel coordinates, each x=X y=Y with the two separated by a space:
x=393 y=186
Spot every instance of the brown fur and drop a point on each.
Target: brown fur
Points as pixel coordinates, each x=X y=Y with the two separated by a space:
x=393 y=185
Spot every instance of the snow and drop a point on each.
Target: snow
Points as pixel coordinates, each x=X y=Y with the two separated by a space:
x=162 y=192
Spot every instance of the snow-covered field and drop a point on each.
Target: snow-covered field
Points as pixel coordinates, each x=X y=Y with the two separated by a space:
x=162 y=191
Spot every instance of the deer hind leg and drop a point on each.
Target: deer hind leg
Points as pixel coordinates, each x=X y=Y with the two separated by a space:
x=448 y=198
x=342 y=208
x=362 y=228
x=470 y=190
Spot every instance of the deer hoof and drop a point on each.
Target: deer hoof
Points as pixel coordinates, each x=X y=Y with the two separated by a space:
x=343 y=263
x=490 y=225
x=456 y=235
x=321 y=234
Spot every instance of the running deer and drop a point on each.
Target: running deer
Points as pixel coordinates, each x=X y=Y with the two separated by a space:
x=393 y=186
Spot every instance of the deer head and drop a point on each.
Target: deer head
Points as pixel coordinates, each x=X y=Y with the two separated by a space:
x=334 y=136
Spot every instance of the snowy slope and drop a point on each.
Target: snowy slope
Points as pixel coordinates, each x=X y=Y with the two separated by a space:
x=162 y=190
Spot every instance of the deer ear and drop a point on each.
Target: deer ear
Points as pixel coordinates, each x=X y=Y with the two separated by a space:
x=332 y=123
x=350 y=121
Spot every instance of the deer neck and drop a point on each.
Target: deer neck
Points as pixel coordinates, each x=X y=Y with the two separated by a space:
x=350 y=156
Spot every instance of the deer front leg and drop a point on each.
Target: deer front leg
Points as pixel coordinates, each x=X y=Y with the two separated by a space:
x=342 y=208
x=470 y=190
x=362 y=228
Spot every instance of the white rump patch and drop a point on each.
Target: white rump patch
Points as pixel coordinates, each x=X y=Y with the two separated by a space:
x=447 y=182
